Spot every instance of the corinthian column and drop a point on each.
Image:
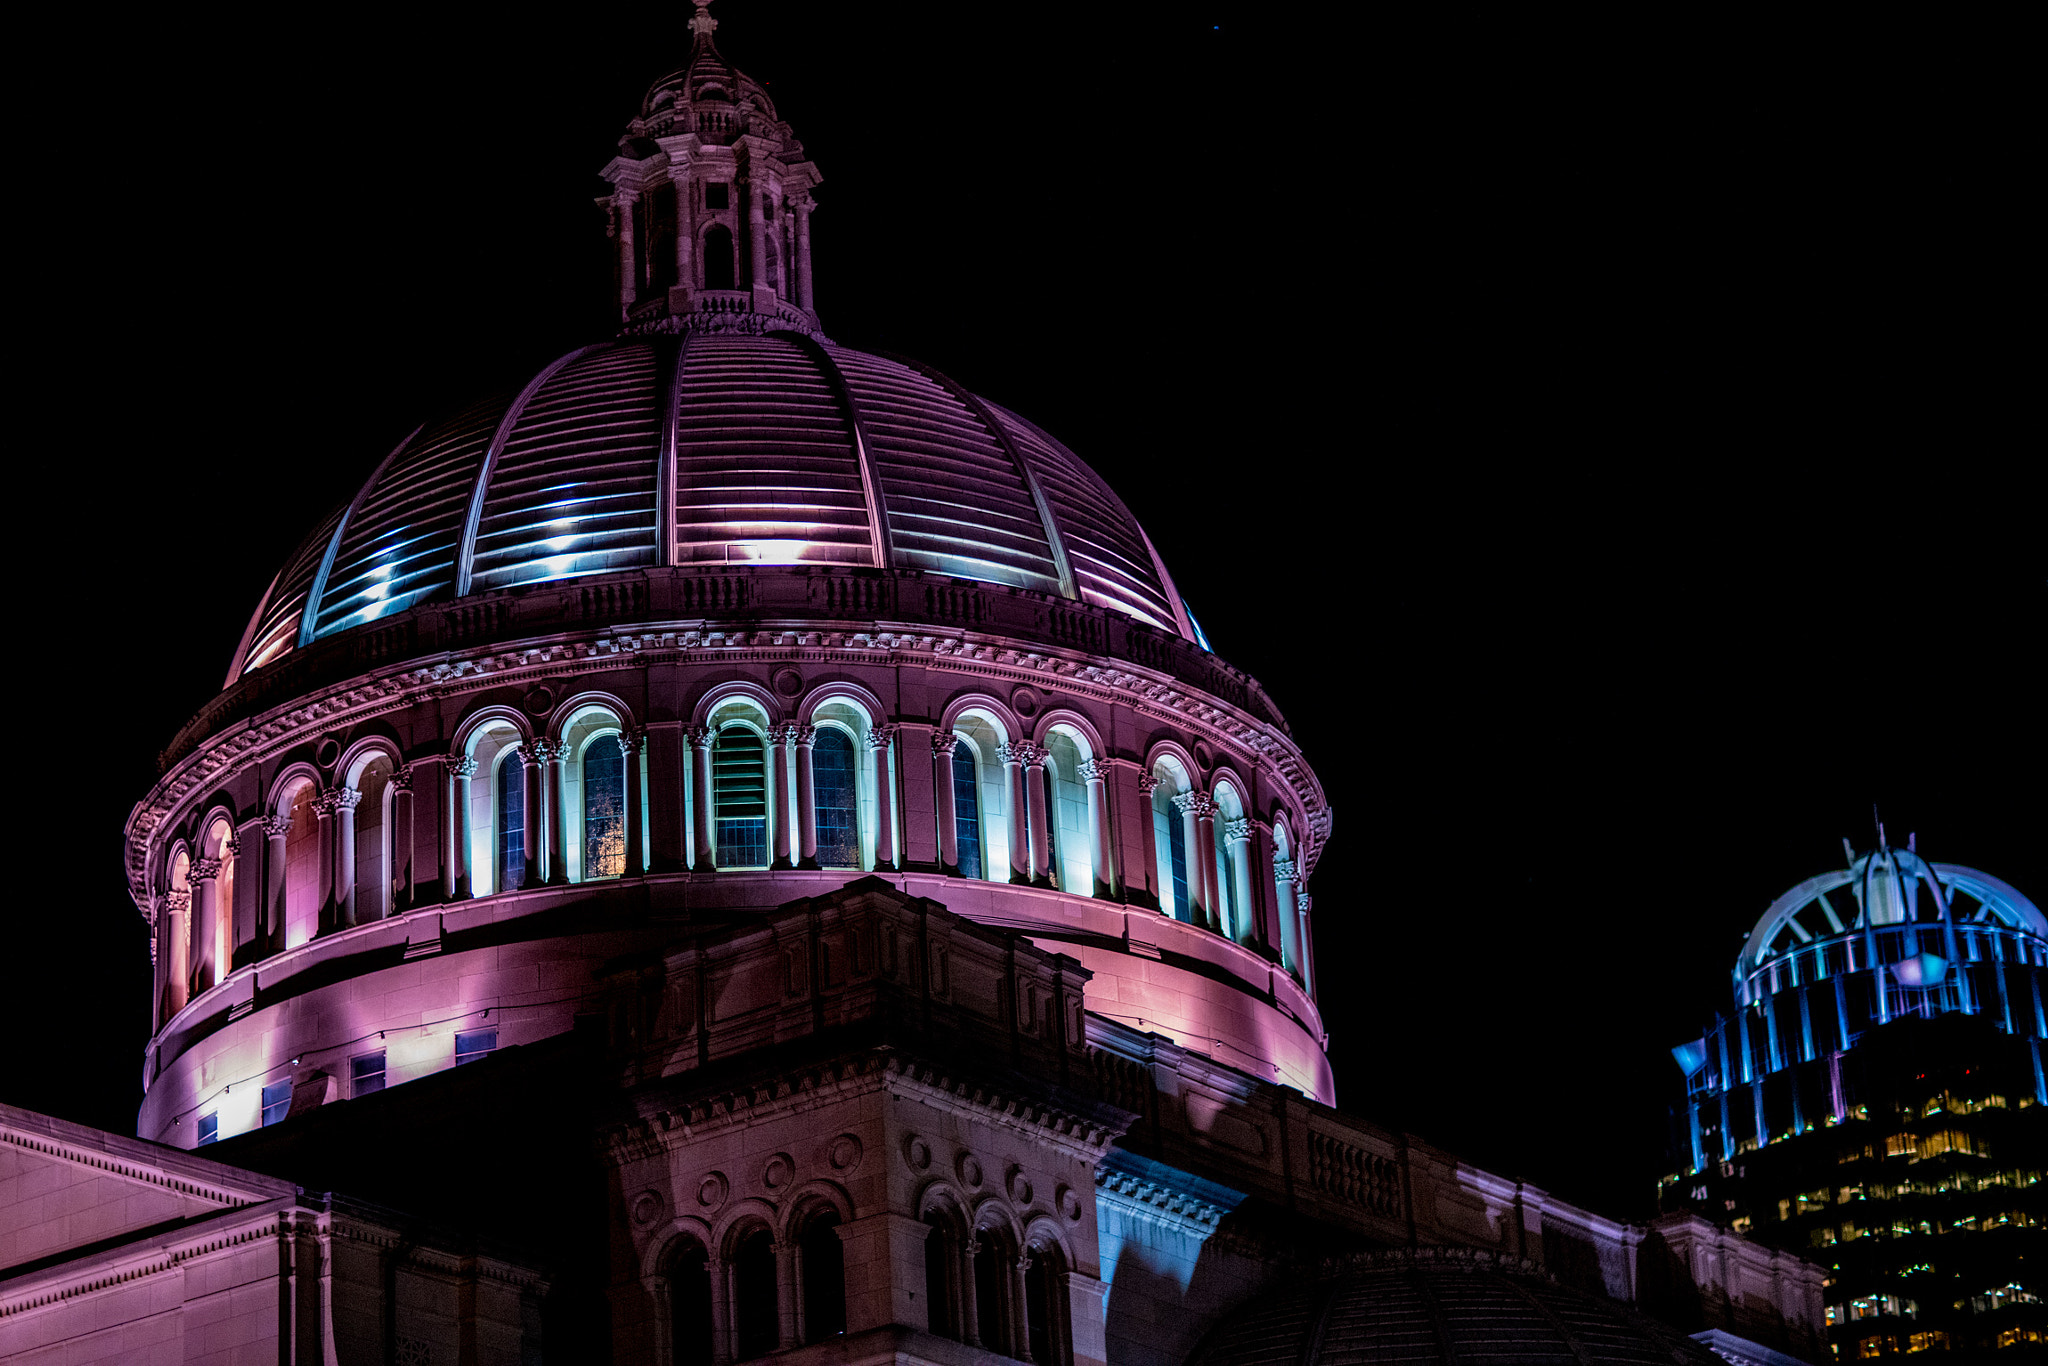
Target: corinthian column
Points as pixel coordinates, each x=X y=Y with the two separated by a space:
x=699 y=741
x=1237 y=844
x=270 y=929
x=1090 y=773
x=629 y=269
x=1013 y=798
x=553 y=815
x=879 y=738
x=345 y=800
x=944 y=742
x=1286 y=911
x=806 y=738
x=461 y=768
x=781 y=736
x=1038 y=829
x=533 y=827
x=178 y=972
x=802 y=206
x=1191 y=843
x=204 y=880
x=632 y=745
x=401 y=889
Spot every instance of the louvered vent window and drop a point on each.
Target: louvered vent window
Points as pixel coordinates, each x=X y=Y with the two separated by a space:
x=835 y=780
x=739 y=786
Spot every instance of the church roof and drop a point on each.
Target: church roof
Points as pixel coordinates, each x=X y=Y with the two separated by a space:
x=714 y=448
x=1431 y=1306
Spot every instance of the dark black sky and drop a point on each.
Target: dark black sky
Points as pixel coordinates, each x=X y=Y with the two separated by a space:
x=1606 y=442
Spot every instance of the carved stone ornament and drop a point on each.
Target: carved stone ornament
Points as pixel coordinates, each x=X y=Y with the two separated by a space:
x=630 y=742
x=1030 y=755
x=804 y=735
x=463 y=766
x=880 y=737
x=204 y=870
x=1007 y=753
x=788 y=682
x=401 y=778
x=647 y=1208
x=917 y=1153
x=1283 y=869
x=346 y=798
x=844 y=1153
x=277 y=827
x=698 y=737
x=544 y=750
x=779 y=1172
x=944 y=742
x=1069 y=1204
x=1090 y=771
x=1237 y=831
x=711 y=1191
x=1200 y=805
x=970 y=1171
x=1148 y=783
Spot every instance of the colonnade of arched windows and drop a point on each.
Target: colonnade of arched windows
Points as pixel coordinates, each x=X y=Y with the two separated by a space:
x=569 y=803
x=987 y=1288
x=761 y=1294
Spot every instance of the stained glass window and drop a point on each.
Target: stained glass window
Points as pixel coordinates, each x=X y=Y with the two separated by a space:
x=739 y=786
x=966 y=810
x=511 y=821
x=835 y=781
x=604 y=808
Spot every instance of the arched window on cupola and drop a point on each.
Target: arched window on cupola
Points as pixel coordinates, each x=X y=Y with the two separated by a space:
x=594 y=795
x=305 y=874
x=213 y=909
x=370 y=777
x=835 y=778
x=981 y=796
x=1233 y=857
x=508 y=867
x=739 y=789
x=718 y=262
x=1169 y=838
x=689 y=1299
x=498 y=858
x=1066 y=815
x=1285 y=898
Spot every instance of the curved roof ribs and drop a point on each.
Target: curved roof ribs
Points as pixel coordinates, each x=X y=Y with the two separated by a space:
x=465 y=559
x=309 y=615
x=884 y=548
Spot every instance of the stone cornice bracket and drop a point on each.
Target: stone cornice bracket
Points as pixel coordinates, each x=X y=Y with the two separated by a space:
x=944 y=742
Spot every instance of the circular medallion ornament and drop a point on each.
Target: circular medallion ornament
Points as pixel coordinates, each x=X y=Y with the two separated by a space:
x=780 y=1171
x=539 y=702
x=917 y=1153
x=647 y=1207
x=788 y=682
x=711 y=1190
x=1020 y=1186
x=844 y=1154
x=329 y=751
x=1204 y=756
x=1025 y=700
x=1069 y=1203
x=970 y=1171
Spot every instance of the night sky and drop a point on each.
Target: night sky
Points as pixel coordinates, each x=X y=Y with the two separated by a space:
x=1603 y=442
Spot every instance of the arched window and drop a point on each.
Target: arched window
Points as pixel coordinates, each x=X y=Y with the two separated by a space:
x=836 y=781
x=1177 y=863
x=604 y=808
x=371 y=778
x=511 y=854
x=1170 y=839
x=718 y=272
x=689 y=1297
x=821 y=1260
x=967 y=809
x=993 y=1318
x=739 y=788
x=1045 y=1305
x=1066 y=800
x=756 y=1331
x=305 y=874
x=942 y=1275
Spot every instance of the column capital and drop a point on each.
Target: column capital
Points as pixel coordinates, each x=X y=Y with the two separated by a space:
x=462 y=765
x=1148 y=783
x=1283 y=869
x=805 y=736
x=178 y=899
x=1009 y=752
x=1304 y=900
x=698 y=737
x=1090 y=771
x=401 y=778
x=880 y=738
x=781 y=732
x=545 y=751
x=944 y=742
x=631 y=742
x=1197 y=804
x=345 y=798
x=1237 y=831
x=1030 y=755
x=203 y=870
x=277 y=827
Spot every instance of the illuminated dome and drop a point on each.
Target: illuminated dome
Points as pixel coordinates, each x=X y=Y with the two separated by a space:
x=1455 y=1306
x=715 y=449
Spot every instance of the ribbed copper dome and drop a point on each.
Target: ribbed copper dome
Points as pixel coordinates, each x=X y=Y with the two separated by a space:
x=1468 y=1308
x=714 y=448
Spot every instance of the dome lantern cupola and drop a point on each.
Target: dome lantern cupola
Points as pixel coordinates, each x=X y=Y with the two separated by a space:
x=710 y=206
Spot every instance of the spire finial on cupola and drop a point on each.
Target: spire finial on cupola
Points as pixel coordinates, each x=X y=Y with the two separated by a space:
x=701 y=23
